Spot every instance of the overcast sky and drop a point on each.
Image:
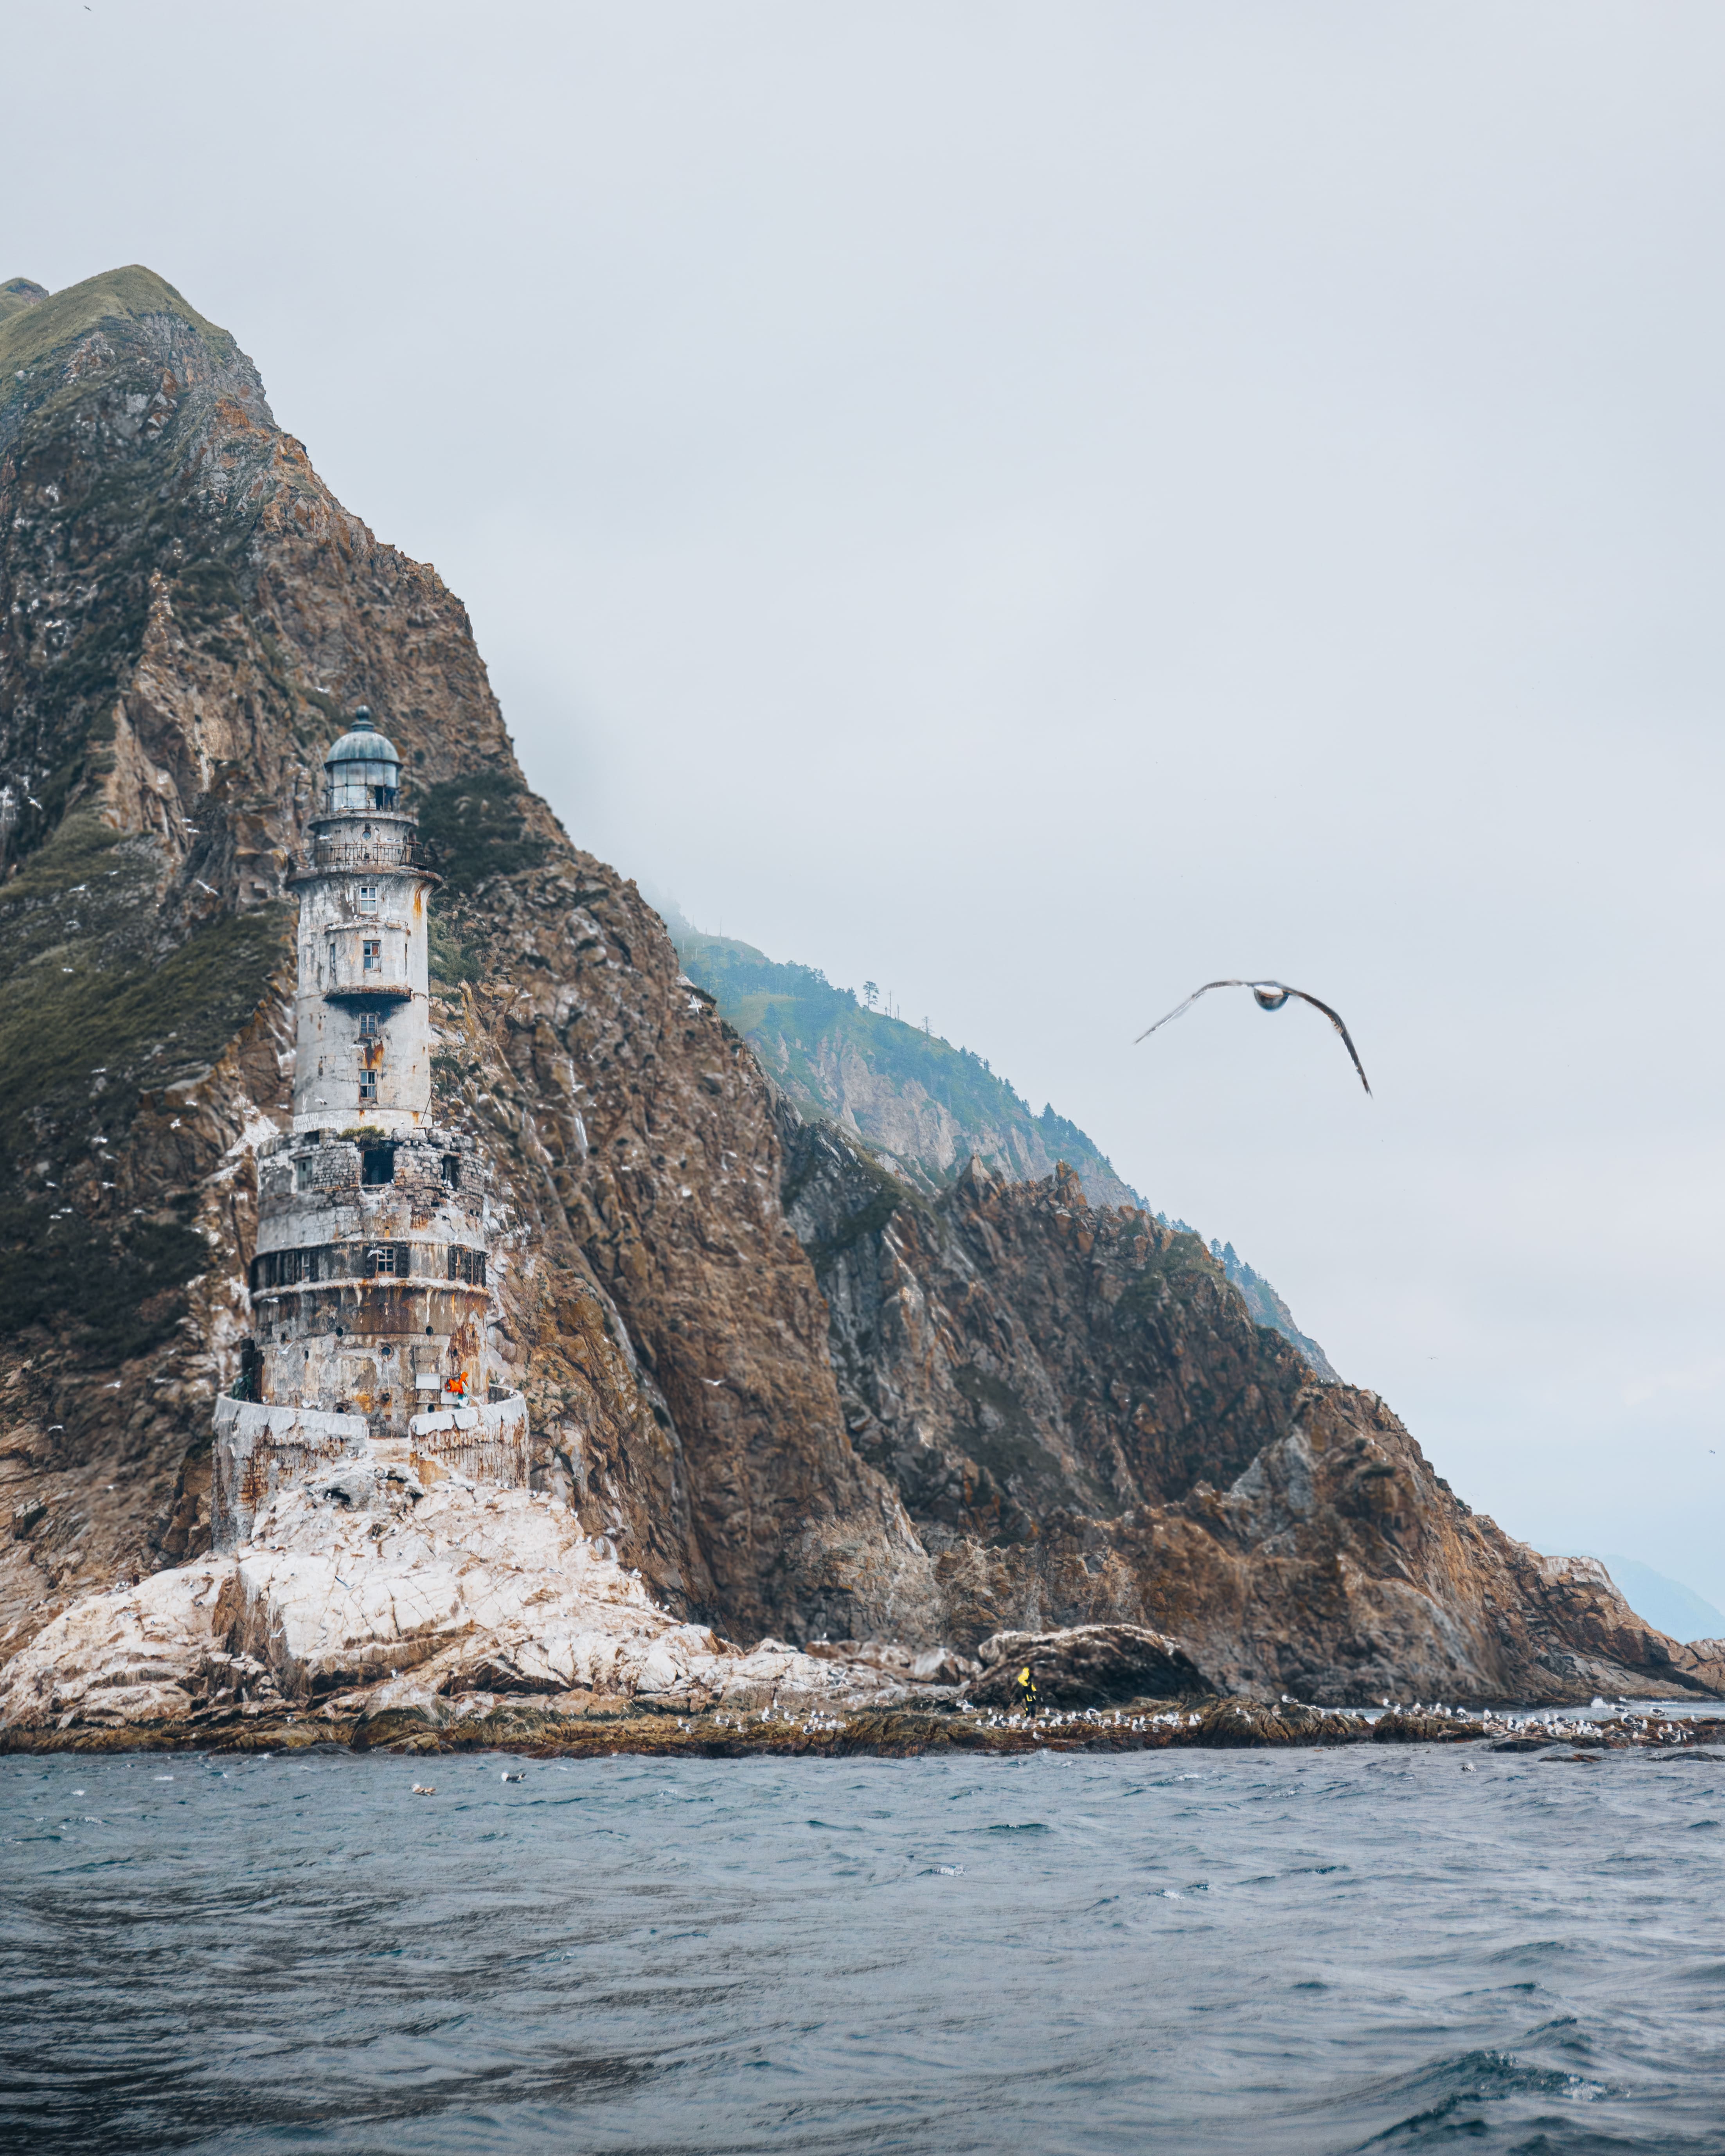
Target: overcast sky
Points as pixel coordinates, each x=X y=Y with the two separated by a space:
x=1042 y=506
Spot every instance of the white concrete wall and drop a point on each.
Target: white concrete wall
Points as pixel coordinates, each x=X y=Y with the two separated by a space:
x=342 y=910
x=261 y=1448
x=486 y=1441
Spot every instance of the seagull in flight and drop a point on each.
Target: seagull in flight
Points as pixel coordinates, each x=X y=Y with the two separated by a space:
x=1270 y=995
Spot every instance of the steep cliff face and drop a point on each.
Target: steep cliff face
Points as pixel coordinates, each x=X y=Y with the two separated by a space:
x=801 y=1397
x=1266 y=1306
x=188 y=614
x=922 y=1106
x=1087 y=1425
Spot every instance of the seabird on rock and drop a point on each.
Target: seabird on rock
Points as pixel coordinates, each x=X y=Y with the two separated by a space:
x=1270 y=995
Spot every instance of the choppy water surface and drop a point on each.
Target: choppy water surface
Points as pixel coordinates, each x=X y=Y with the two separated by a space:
x=1254 y=1951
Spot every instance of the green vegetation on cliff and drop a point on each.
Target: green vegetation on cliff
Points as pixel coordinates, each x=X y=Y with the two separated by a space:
x=96 y=1021
x=476 y=827
x=922 y=1105
x=129 y=292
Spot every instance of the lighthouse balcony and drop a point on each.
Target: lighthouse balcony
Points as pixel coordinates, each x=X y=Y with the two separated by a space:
x=369 y=987
x=397 y=847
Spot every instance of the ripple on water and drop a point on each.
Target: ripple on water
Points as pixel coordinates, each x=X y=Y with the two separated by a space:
x=1308 y=1955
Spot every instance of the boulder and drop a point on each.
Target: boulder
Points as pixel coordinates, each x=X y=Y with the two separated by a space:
x=934 y=1665
x=1087 y=1665
x=941 y=1666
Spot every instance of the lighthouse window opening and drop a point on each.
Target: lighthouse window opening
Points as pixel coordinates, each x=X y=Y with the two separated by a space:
x=382 y=1259
x=371 y=956
x=371 y=1025
x=377 y=1165
x=368 y=1086
x=452 y=1169
x=368 y=898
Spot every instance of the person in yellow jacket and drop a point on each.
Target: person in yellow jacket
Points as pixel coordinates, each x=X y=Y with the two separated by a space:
x=1026 y=1689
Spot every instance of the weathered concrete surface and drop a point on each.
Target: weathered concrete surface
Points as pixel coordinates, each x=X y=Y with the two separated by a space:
x=259 y=1448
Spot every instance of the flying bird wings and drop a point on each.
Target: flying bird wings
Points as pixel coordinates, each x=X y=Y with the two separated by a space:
x=1186 y=1006
x=1347 y=1038
x=1268 y=1001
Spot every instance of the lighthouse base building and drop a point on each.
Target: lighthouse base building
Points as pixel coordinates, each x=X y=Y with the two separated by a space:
x=372 y=1286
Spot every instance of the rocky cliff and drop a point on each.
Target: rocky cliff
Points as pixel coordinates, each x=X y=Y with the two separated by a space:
x=798 y=1397
x=922 y=1105
x=188 y=612
x=1087 y=1425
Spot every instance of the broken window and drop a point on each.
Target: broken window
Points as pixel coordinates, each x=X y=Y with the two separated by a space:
x=371 y=1025
x=371 y=956
x=368 y=1086
x=283 y=1268
x=452 y=1169
x=378 y=1164
x=467 y=1265
x=382 y=1259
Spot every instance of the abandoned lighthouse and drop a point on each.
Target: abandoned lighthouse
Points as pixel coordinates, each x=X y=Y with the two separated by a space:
x=371 y=1288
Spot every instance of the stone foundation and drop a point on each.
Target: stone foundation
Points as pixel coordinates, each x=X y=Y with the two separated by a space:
x=261 y=1450
x=487 y=1442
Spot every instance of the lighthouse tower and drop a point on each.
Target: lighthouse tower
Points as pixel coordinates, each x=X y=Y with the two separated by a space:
x=372 y=1286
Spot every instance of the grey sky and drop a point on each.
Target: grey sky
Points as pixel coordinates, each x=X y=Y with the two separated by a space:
x=1044 y=506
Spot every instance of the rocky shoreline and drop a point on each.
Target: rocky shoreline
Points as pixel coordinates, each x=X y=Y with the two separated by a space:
x=607 y=1731
x=373 y=1613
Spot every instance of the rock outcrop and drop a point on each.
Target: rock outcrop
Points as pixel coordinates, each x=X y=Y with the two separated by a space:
x=1086 y=1426
x=349 y=1603
x=1086 y=1665
x=797 y=1398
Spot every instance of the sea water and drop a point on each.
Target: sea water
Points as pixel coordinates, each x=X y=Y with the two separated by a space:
x=1252 y=1951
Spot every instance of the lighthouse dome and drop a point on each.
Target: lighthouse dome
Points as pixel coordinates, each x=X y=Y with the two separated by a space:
x=363 y=769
